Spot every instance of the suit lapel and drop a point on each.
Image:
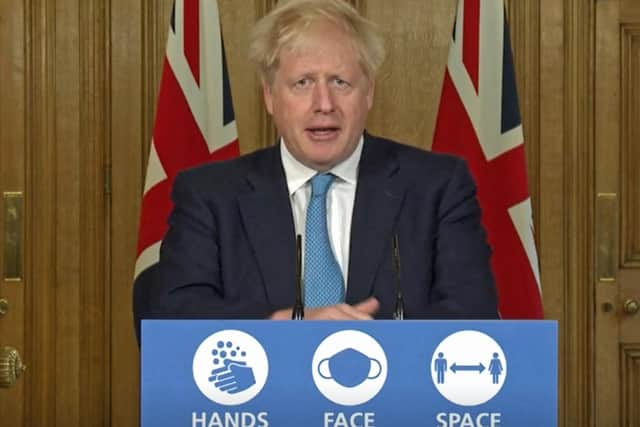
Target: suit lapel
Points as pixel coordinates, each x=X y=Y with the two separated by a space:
x=379 y=196
x=266 y=213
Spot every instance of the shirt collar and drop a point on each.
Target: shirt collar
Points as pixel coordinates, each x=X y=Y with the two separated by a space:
x=298 y=174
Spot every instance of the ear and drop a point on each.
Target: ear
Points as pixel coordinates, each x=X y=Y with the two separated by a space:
x=370 y=92
x=267 y=96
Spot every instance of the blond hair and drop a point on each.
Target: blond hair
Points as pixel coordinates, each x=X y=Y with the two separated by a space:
x=288 y=21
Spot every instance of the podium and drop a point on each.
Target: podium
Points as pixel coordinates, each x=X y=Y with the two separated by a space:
x=243 y=373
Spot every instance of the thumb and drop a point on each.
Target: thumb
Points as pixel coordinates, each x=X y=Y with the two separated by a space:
x=369 y=306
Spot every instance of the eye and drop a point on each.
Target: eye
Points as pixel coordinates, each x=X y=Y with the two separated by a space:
x=302 y=83
x=340 y=83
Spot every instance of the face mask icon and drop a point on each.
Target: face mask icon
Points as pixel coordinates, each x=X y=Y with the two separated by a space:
x=349 y=368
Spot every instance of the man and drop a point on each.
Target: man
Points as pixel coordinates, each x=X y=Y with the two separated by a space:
x=230 y=250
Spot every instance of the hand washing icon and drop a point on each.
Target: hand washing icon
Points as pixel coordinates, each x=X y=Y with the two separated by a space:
x=230 y=367
x=349 y=368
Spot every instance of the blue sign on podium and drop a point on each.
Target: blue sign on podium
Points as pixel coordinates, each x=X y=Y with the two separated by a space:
x=243 y=373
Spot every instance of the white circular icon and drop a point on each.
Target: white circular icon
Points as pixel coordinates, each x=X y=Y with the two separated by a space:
x=349 y=367
x=468 y=368
x=230 y=367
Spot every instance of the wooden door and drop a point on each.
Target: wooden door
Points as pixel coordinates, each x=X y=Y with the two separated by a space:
x=51 y=154
x=12 y=191
x=617 y=157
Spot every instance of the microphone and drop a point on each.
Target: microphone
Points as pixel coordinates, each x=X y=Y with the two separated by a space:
x=298 y=307
x=398 y=312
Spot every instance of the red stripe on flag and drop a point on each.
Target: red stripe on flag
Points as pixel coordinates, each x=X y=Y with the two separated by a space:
x=177 y=138
x=192 y=36
x=471 y=39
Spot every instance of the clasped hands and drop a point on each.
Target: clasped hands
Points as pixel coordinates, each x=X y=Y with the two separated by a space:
x=364 y=310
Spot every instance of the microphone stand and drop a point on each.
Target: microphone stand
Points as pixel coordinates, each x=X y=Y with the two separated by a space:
x=398 y=312
x=298 y=307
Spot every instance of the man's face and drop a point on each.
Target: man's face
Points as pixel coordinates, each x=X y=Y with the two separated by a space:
x=319 y=97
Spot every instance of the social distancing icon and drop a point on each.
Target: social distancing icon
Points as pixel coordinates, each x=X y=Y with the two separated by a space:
x=468 y=368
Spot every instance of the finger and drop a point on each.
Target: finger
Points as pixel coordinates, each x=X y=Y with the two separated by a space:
x=218 y=370
x=352 y=313
x=225 y=376
x=337 y=312
x=326 y=313
x=284 y=314
x=369 y=306
x=224 y=383
x=228 y=386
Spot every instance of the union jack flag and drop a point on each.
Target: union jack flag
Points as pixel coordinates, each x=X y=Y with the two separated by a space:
x=479 y=119
x=194 y=121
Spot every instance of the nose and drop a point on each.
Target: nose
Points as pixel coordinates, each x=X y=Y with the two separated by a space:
x=322 y=98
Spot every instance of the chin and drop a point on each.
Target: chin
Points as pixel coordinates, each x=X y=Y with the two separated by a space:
x=322 y=163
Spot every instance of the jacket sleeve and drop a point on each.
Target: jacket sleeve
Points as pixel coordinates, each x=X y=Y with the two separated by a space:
x=186 y=283
x=463 y=282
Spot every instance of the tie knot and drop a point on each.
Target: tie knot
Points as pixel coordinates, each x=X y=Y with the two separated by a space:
x=320 y=184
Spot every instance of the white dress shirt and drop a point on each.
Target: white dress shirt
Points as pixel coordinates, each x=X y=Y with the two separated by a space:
x=340 y=200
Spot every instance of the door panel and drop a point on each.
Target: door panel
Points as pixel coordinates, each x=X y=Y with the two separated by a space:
x=618 y=179
x=12 y=167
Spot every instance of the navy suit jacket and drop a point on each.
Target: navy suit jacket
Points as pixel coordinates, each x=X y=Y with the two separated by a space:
x=230 y=249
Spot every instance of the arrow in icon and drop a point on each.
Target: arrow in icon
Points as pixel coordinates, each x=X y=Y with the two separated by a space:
x=479 y=367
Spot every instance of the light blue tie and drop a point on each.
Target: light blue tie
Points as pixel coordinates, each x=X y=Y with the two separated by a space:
x=323 y=283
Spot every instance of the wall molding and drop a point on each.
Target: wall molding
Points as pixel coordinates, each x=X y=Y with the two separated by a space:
x=68 y=324
x=95 y=308
x=40 y=209
x=577 y=361
x=630 y=145
x=629 y=372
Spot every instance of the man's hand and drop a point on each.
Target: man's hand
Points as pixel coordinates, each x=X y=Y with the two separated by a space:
x=234 y=377
x=364 y=310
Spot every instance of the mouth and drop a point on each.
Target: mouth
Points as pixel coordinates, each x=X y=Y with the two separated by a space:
x=322 y=133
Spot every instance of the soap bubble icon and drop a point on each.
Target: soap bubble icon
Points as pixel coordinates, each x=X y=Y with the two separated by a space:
x=349 y=367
